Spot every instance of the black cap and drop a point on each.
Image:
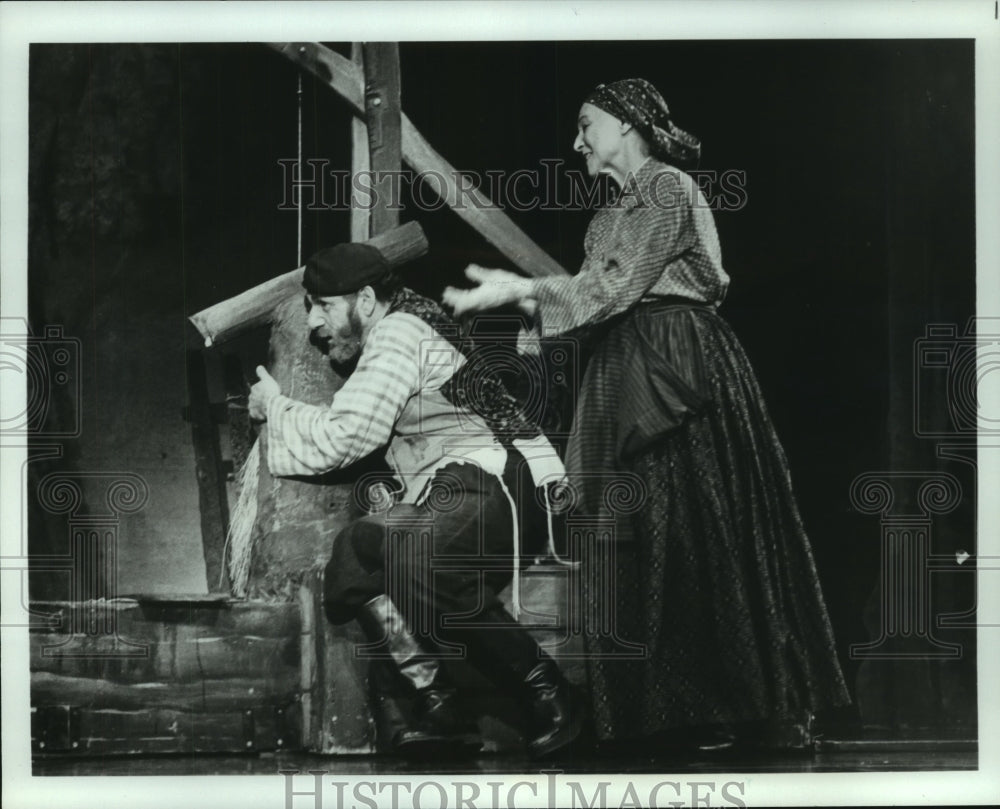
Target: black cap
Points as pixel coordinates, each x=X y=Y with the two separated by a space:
x=343 y=269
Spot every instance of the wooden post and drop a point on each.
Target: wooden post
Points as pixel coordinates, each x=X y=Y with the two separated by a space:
x=360 y=162
x=382 y=115
x=336 y=716
x=213 y=504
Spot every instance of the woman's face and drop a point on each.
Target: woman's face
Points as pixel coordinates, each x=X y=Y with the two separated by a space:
x=598 y=138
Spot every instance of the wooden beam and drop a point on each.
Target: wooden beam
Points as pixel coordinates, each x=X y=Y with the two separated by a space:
x=476 y=209
x=179 y=654
x=344 y=77
x=382 y=115
x=234 y=316
x=360 y=162
x=213 y=505
x=205 y=694
x=470 y=204
x=98 y=731
x=150 y=618
x=336 y=716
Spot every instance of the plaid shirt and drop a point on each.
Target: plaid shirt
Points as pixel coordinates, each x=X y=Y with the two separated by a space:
x=392 y=397
x=658 y=239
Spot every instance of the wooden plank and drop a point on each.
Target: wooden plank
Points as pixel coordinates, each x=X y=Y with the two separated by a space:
x=382 y=115
x=340 y=74
x=150 y=622
x=104 y=731
x=307 y=662
x=475 y=208
x=52 y=728
x=213 y=505
x=180 y=659
x=201 y=695
x=340 y=717
x=360 y=160
x=254 y=307
x=471 y=205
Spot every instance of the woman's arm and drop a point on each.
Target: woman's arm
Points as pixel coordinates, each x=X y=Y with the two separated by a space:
x=626 y=256
x=624 y=260
x=495 y=288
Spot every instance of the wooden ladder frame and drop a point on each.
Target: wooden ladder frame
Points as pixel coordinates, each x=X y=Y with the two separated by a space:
x=383 y=137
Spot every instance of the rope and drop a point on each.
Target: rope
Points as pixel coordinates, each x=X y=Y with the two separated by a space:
x=238 y=548
x=552 y=537
x=239 y=538
x=299 y=252
x=515 y=587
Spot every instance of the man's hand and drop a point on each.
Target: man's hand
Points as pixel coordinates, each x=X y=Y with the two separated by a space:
x=261 y=393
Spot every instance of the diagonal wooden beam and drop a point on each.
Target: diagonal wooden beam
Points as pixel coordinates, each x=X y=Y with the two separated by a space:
x=347 y=80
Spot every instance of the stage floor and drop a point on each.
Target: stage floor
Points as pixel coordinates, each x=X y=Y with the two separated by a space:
x=917 y=757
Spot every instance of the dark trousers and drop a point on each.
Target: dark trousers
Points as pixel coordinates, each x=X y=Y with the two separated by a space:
x=443 y=564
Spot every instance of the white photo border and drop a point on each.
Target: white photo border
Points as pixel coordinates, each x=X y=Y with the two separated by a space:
x=24 y=23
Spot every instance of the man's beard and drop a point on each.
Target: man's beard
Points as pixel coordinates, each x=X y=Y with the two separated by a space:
x=344 y=348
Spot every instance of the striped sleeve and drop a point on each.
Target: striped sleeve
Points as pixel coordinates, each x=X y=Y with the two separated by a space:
x=623 y=263
x=306 y=439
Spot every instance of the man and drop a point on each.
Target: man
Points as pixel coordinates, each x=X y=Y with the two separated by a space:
x=448 y=545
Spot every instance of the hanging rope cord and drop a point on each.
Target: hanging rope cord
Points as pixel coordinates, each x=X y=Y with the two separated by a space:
x=238 y=549
x=299 y=164
x=239 y=538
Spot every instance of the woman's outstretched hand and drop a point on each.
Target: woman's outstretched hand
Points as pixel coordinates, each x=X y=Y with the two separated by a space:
x=495 y=288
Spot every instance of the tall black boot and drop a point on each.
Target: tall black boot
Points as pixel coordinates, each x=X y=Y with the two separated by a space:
x=556 y=714
x=435 y=725
x=511 y=657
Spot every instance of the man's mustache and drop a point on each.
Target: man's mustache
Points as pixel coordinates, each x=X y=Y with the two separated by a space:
x=320 y=340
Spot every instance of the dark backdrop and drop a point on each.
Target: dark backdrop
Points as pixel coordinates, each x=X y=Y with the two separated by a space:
x=155 y=187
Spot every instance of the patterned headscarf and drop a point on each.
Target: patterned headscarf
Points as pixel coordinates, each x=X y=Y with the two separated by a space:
x=637 y=102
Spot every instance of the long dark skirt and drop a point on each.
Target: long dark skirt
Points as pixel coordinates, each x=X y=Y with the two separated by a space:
x=714 y=573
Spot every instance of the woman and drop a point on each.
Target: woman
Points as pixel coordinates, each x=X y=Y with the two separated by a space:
x=714 y=575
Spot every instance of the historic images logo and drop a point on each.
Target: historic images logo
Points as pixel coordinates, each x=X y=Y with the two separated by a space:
x=550 y=187
x=313 y=790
